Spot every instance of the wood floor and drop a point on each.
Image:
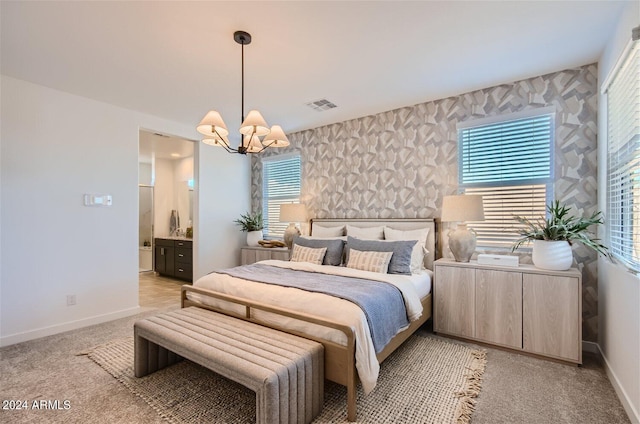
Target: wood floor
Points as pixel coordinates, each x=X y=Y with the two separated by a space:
x=158 y=292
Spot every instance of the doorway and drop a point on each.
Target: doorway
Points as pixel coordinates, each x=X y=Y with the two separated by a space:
x=166 y=182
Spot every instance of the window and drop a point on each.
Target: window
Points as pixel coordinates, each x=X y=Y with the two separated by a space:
x=509 y=163
x=280 y=184
x=623 y=159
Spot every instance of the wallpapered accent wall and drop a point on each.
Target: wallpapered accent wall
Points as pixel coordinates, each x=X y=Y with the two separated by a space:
x=400 y=163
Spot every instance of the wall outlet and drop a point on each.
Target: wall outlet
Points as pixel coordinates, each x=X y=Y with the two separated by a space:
x=71 y=299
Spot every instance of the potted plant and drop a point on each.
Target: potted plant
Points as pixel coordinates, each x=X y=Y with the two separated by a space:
x=552 y=237
x=252 y=224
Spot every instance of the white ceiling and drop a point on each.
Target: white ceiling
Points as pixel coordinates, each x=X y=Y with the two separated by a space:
x=177 y=60
x=154 y=145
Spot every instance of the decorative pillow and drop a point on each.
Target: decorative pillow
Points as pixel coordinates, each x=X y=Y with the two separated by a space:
x=308 y=254
x=334 y=247
x=366 y=233
x=320 y=231
x=419 y=249
x=401 y=259
x=369 y=261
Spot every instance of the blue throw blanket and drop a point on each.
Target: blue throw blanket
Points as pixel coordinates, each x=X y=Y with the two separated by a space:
x=382 y=303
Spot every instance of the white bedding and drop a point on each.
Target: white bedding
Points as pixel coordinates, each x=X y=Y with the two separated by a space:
x=413 y=288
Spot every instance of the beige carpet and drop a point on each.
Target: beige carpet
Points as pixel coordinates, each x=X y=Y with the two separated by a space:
x=425 y=381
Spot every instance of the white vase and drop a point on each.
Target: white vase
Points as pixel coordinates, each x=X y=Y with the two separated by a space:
x=552 y=255
x=253 y=237
x=462 y=242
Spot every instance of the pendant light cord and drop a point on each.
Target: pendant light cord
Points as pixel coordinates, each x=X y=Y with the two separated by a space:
x=242 y=120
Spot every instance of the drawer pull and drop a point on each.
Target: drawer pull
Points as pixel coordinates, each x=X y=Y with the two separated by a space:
x=180 y=270
x=181 y=255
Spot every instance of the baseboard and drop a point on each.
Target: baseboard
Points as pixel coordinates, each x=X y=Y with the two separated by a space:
x=633 y=414
x=590 y=347
x=67 y=326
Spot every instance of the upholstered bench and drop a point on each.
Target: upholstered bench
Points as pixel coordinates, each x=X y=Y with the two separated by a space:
x=285 y=371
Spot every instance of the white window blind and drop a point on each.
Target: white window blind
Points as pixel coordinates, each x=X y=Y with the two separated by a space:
x=510 y=163
x=623 y=159
x=280 y=184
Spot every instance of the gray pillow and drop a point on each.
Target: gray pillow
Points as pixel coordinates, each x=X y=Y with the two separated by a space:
x=334 y=248
x=401 y=258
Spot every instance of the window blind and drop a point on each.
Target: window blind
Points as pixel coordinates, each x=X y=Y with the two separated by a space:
x=623 y=160
x=509 y=163
x=280 y=184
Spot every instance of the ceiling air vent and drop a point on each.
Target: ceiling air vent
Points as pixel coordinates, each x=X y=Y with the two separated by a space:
x=321 y=105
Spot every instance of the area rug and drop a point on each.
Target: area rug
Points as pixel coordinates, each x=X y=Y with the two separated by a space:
x=426 y=380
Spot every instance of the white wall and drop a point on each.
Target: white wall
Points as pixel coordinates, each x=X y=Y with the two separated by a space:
x=54 y=148
x=164 y=197
x=220 y=186
x=618 y=290
x=182 y=173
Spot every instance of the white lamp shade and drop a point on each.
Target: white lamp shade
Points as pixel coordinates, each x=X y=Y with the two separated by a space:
x=212 y=125
x=254 y=124
x=293 y=212
x=276 y=137
x=217 y=141
x=253 y=145
x=464 y=207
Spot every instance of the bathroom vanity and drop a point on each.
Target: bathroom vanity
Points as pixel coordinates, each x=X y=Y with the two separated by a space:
x=174 y=257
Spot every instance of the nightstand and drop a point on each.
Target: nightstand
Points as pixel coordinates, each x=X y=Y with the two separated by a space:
x=522 y=308
x=251 y=254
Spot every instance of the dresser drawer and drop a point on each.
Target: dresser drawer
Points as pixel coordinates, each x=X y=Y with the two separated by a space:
x=184 y=243
x=183 y=271
x=184 y=255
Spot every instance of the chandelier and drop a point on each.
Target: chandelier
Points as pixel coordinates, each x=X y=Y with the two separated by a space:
x=253 y=127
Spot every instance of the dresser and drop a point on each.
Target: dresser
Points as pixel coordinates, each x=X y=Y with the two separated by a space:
x=521 y=308
x=174 y=258
x=251 y=254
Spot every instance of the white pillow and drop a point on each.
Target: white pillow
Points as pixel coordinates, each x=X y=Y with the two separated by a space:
x=369 y=261
x=320 y=231
x=419 y=250
x=308 y=254
x=366 y=233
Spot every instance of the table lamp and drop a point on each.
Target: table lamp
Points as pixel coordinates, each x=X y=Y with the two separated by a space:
x=462 y=208
x=292 y=213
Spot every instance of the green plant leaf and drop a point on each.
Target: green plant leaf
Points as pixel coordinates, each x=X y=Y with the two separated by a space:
x=250 y=222
x=561 y=226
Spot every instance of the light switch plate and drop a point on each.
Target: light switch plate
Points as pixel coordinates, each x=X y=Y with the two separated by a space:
x=98 y=200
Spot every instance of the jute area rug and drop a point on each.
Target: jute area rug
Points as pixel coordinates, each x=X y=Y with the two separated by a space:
x=425 y=381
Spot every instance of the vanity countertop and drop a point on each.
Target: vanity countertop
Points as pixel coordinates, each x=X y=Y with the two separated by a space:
x=176 y=238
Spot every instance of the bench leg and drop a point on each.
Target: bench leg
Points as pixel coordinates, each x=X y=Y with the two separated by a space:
x=141 y=357
x=150 y=357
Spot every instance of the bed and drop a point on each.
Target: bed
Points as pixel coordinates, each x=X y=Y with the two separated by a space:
x=350 y=355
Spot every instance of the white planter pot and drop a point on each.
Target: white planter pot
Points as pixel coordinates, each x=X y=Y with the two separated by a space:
x=552 y=255
x=253 y=237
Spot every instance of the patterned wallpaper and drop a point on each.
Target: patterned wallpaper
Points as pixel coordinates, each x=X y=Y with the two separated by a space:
x=400 y=163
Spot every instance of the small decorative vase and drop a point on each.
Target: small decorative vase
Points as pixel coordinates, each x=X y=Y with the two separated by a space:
x=253 y=237
x=552 y=255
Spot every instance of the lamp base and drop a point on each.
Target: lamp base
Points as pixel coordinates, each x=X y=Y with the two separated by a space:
x=462 y=242
x=290 y=233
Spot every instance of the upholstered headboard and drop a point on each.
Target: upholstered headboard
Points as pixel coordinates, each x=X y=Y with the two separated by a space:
x=395 y=223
